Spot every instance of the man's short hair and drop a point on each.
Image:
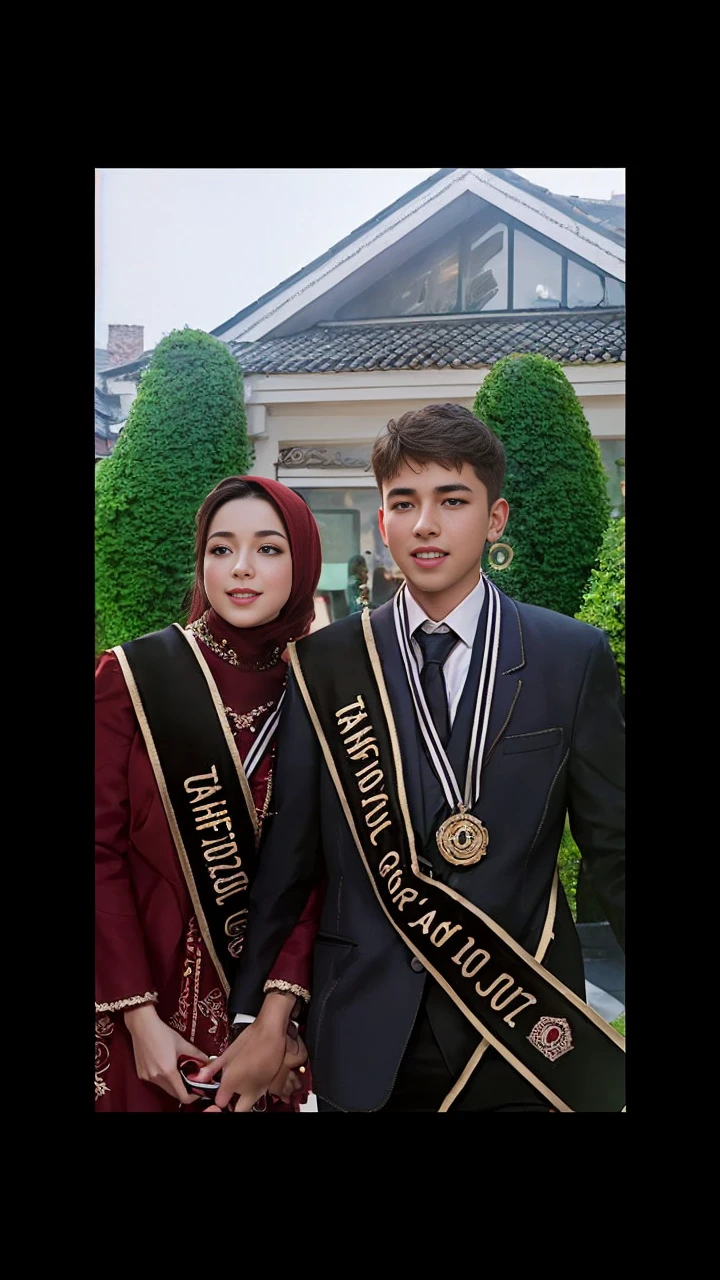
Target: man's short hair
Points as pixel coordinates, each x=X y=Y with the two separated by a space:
x=444 y=433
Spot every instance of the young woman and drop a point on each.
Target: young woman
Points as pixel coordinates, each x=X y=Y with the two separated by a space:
x=179 y=818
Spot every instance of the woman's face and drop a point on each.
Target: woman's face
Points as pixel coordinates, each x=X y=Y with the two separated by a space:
x=248 y=564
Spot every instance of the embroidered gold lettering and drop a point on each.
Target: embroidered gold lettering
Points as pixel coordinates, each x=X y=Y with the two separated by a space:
x=347 y=721
x=209 y=810
x=394 y=881
x=386 y=866
x=368 y=746
x=405 y=895
x=215 y=826
x=425 y=921
x=226 y=866
x=378 y=801
x=200 y=777
x=351 y=706
x=497 y=1003
x=442 y=932
x=494 y=983
x=372 y=780
x=514 y=1012
x=467 y=972
x=226 y=835
x=374 y=834
x=356 y=740
x=235 y=923
x=226 y=849
x=470 y=943
x=238 y=888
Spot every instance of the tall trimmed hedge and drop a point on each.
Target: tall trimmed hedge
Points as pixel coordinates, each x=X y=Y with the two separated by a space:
x=555 y=482
x=603 y=603
x=185 y=432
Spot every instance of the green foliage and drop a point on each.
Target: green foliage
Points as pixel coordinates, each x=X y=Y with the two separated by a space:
x=568 y=868
x=555 y=482
x=603 y=603
x=619 y=1024
x=185 y=432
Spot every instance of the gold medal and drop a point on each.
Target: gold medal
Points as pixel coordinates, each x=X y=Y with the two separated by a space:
x=462 y=839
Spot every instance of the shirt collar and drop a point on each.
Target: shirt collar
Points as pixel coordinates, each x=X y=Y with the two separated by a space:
x=463 y=619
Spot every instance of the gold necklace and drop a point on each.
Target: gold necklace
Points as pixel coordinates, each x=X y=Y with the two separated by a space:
x=245 y=721
x=200 y=630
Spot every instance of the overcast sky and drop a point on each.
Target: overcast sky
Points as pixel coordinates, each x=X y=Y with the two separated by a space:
x=194 y=246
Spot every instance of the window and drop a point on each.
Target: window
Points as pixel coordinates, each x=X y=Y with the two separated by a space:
x=348 y=524
x=485 y=277
x=584 y=288
x=537 y=275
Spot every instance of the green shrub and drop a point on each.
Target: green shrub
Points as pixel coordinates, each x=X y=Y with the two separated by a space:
x=568 y=868
x=555 y=483
x=603 y=603
x=619 y=1024
x=185 y=432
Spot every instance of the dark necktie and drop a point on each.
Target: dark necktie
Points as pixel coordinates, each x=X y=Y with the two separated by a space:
x=436 y=647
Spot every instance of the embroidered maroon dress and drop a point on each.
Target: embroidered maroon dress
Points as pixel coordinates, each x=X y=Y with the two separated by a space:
x=148 y=943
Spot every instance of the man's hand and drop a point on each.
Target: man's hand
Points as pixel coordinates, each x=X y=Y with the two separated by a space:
x=260 y=1057
x=157 y=1049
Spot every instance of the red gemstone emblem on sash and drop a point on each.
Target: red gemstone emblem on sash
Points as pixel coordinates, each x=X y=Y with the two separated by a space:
x=552 y=1036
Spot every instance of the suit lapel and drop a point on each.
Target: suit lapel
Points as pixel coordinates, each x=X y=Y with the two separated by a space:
x=508 y=679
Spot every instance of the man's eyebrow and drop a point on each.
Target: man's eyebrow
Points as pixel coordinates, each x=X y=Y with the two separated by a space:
x=439 y=488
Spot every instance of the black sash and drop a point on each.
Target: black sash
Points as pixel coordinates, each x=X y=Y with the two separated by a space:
x=207 y=799
x=545 y=1031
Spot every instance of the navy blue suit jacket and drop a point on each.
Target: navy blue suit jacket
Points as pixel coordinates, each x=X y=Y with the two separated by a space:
x=555 y=746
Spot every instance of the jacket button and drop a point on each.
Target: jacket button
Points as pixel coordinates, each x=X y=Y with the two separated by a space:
x=417 y=965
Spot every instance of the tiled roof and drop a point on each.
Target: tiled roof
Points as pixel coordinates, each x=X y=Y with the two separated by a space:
x=101 y=359
x=603 y=215
x=570 y=338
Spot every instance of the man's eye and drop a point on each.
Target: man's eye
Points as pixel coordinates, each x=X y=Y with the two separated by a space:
x=402 y=506
x=456 y=502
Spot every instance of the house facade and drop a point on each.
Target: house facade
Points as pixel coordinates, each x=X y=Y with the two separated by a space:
x=416 y=306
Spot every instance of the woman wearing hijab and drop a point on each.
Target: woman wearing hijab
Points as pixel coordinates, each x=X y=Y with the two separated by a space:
x=185 y=723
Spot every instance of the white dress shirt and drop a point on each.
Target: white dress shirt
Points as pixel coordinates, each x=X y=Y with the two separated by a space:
x=463 y=620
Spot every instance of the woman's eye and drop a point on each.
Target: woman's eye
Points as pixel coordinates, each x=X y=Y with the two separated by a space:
x=219 y=551
x=269 y=550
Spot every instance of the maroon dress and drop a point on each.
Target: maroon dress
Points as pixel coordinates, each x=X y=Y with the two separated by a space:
x=148 y=943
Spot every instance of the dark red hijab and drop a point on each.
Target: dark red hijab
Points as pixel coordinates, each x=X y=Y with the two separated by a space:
x=298 y=612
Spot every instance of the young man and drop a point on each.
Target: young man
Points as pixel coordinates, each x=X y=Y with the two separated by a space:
x=427 y=758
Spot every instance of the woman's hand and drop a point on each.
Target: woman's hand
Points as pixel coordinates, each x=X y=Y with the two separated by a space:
x=260 y=1058
x=157 y=1049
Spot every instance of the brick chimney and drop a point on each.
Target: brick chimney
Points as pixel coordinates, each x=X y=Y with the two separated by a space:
x=125 y=343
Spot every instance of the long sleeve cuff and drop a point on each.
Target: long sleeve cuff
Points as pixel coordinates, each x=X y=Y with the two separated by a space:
x=279 y=984
x=150 y=997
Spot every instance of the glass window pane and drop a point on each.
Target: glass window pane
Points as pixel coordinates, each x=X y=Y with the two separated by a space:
x=585 y=288
x=614 y=292
x=485 y=283
x=347 y=518
x=537 y=275
x=425 y=286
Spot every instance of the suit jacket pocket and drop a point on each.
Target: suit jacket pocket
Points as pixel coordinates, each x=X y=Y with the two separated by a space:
x=537 y=741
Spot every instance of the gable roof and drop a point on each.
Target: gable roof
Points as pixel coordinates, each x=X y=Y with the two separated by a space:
x=593 y=229
x=561 y=219
x=452 y=343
